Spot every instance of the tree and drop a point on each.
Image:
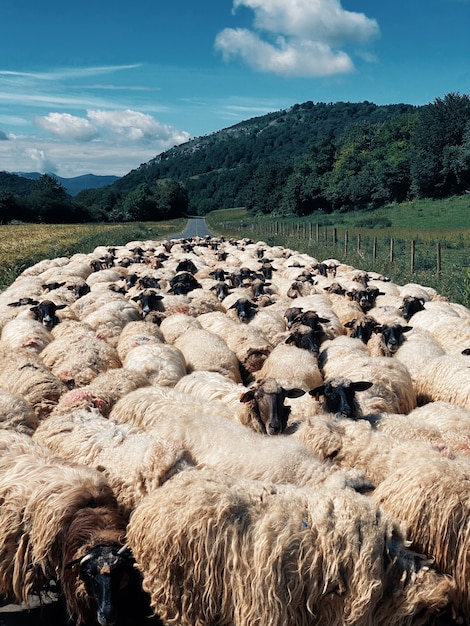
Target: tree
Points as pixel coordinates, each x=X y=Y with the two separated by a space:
x=49 y=200
x=438 y=136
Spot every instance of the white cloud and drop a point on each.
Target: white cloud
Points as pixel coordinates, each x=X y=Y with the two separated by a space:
x=67 y=126
x=297 y=38
x=137 y=127
x=40 y=162
x=288 y=58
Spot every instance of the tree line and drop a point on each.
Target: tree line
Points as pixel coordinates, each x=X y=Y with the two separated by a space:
x=337 y=156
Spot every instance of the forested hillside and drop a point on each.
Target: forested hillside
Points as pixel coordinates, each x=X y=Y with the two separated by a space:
x=337 y=156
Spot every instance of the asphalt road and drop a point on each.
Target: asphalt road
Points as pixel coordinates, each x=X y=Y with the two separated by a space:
x=196 y=227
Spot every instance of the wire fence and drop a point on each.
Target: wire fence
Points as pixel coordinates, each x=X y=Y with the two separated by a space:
x=442 y=264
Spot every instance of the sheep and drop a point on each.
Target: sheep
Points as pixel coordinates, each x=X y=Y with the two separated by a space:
x=25 y=333
x=444 y=378
x=177 y=324
x=291 y=367
x=17 y=414
x=161 y=364
x=133 y=463
x=102 y=393
x=440 y=423
x=56 y=520
x=302 y=568
x=199 y=427
x=260 y=406
x=23 y=373
x=76 y=360
x=419 y=348
x=430 y=496
x=111 y=317
x=204 y=350
x=137 y=333
x=392 y=390
x=247 y=342
x=387 y=339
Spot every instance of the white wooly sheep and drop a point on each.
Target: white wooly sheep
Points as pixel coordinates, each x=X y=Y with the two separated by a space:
x=76 y=360
x=203 y=301
x=302 y=568
x=260 y=406
x=419 y=348
x=271 y=323
x=25 y=333
x=205 y=350
x=445 y=378
x=320 y=303
x=443 y=424
x=143 y=406
x=247 y=342
x=418 y=291
x=92 y=301
x=431 y=497
x=161 y=364
x=107 y=276
x=109 y=320
x=23 y=373
x=448 y=323
x=177 y=324
x=102 y=393
x=392 y=390
x=225 y=445
x=133 y=463
x=16 y=413
x=137 y=333
x=293 y=368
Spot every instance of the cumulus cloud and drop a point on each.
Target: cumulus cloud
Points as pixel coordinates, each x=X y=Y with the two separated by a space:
x=297 y=38
x=40 y=162
x=137 y=127
x=68 y=126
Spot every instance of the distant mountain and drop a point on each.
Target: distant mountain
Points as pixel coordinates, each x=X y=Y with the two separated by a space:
x=77 y=183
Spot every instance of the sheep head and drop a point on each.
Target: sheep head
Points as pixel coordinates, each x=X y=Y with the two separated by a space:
x=339 y=396
x=267 y=404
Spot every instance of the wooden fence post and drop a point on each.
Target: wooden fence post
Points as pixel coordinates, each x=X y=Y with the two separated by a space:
x=438 y=257
x=358 y=243
x=374 y=249
x=392 y=243
x=412 y=262
x=346 y=236
x=317 y=232
x=335 y=237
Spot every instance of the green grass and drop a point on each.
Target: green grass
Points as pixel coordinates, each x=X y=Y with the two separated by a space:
x=428 y=223
x=23 y=245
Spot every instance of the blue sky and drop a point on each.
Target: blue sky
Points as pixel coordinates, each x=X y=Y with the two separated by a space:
x=101 y=86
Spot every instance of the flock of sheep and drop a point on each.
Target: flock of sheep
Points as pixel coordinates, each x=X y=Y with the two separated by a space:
x=217 y=432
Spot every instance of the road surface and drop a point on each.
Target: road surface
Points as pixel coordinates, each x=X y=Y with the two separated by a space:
x=196 y=227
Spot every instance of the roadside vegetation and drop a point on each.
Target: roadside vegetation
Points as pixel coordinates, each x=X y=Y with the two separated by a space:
x=23 y=245
x=422 y=232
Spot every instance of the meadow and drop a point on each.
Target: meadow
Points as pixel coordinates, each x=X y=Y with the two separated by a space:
x=424 y=241
x=23 y=245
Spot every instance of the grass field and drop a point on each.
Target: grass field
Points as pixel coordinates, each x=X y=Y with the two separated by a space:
x=23 y=245
x=430 y=240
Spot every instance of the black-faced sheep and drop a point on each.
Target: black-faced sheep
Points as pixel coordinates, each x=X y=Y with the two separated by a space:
x=55 y=517
x=310 y=557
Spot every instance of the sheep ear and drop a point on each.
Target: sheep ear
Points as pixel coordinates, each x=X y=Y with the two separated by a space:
x=317 y=392
x=466 y=352
x=350 y=324
x=294 y=393
x=323 y=320
x=361 y=385
x=248 y=396
x=406 y=329
x=60 y=306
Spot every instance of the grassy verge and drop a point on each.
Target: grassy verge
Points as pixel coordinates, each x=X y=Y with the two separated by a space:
x=426 y=242
x=23 y=245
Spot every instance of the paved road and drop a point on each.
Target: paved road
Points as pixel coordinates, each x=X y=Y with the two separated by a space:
x=196 y=227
